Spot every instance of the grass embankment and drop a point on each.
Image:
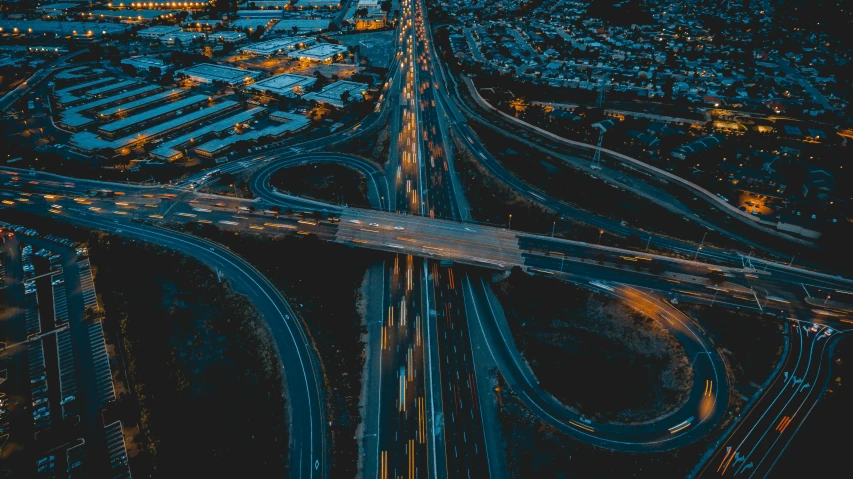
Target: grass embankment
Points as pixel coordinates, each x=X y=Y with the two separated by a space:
x=321 y=281
x=594 y=353
x=334 y=184
x=206 y=380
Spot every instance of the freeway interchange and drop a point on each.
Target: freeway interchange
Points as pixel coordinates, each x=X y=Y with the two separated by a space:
x=439 y=327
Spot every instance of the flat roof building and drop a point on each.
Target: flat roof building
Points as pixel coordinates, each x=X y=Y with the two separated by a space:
x=332 y=93
x=133 y=16
x=227 y=37
x=143 y=63
x=150 y=100
x=284 y=85
x=302 y=25
x=109 y=88
x=67 y=95
x=89 y=142
x=157 y=31
x=323 y=52
x=221 y=145
x=277 y=46
x=170 y=109
x=170 y=150
x=72 y=117
x=212 y=73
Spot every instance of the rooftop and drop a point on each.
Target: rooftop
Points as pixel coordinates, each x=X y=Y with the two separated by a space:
x=222 y=73
x=284 y=84
x=119 y=125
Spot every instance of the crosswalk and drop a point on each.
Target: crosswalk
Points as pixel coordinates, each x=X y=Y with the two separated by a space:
x=117 y=451
x=103 y=375
x=87 y=286
x=67 y=377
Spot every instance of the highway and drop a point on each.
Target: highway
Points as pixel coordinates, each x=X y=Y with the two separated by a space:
x=15 y=95
x=763 y=433
x=303 y=380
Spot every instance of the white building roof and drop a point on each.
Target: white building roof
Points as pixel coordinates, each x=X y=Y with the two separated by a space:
x=331 y=93
x=213 y=72
x=129 y=106
x=285 y=84
x=89 y=141
x=167 y=149
x=319 y=52
x=278 y=45
x=153 y=113
x=212 y=147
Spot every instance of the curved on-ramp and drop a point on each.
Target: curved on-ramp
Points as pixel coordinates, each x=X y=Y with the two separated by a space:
x=704 y=407
x=307 y=457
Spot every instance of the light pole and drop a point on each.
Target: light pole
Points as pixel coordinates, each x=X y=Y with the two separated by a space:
x=600 y=232
x=792 y=259
x=697 y=253
x=649 y=242
x=510 y=222
x=553 y=227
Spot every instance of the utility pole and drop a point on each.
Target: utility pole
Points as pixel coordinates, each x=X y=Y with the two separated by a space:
x=599 y=103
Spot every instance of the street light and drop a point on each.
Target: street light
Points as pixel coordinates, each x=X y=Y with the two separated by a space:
x=600 y=232
x=510 y=222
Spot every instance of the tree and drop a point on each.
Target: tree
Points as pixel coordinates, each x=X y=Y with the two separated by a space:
x=385 y=6
x=345 y=97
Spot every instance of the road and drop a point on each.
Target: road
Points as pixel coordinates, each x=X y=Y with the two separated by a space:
x=303 y=380
x=764 y=432
x=13 y=96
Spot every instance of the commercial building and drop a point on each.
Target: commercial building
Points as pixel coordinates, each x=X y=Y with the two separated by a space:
x=146 y=102
x=55 y=9
x=316 y=4
x=302 y=25
x=131 y=16
x=323 y=52
x=277 y=46
x=183 y=38
x=227 y=37
x=292 y=124
x=211 y=73
x=67 y=96
x=97 y=92
x=284 y=85
x=171 y=150
x=89 y=142
x=157 y=31
x=251 y=24
x=145 y=64
x=82 y=31
x=174 y=108
x=333 y=94
x=72 y=118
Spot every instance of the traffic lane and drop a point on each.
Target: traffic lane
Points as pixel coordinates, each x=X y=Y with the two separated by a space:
x=751 y=438
x=308 y=453
x=771 y=457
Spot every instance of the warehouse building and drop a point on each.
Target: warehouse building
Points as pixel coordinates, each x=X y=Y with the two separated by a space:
x=158 y=31
x=89 y=142
x=170 y=109
x=211 y=73
x=127 y=108
x=69 y=95
x=277 y=46
x=220 y=146
x=284 y=85
x=73 y=119
x=332 y=94
x=323 y=52
x=171 y=150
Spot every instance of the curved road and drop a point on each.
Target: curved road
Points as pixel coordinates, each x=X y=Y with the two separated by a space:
x=303 y=380
x=702 y=410
x=377 y=182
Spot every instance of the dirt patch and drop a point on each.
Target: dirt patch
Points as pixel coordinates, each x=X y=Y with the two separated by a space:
x=206 y=387
x=588 y=350
x=335 y=184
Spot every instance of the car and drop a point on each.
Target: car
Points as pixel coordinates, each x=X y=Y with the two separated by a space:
x=374 y=224
x=399 y=228
x=828 y=331
x=814 y=327
x=355 y=222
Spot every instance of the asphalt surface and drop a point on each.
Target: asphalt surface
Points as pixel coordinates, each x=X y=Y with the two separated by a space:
x=764 y=432
x=303 y=380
